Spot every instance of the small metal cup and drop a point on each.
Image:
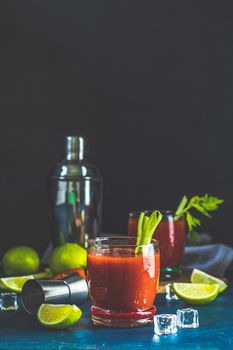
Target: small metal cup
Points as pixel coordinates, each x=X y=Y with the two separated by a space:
x=72 y=289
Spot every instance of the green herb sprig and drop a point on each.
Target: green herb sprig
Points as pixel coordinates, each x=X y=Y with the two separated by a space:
x=147 y=226
x=202 y=204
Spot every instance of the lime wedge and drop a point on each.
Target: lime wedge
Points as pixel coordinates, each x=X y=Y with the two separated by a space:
x=196 y=293
x=14 y=284
x=199 y=276
x=58 y=316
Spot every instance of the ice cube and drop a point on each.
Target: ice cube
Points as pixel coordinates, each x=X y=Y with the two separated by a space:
x=170 y=294
x=187 y=318
x=8 y=301
x=165 y=324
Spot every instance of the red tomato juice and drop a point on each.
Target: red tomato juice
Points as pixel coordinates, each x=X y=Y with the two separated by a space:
x=123 y=282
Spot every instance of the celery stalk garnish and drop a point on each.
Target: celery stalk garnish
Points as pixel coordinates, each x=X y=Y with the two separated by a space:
x=202 y=204
x=181 y=206
x=147 y=226
x=145 y=222
x=140 y=227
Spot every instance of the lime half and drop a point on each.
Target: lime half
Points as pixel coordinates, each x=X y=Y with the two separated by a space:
x=58 y=316
x=196 y=293
x=199 y=276
x=14 y=284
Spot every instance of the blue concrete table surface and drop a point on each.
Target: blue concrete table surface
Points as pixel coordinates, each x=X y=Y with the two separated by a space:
x=21 y=331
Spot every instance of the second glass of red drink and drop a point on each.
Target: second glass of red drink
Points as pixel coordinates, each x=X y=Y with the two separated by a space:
x=170 y=234
x=123 y=281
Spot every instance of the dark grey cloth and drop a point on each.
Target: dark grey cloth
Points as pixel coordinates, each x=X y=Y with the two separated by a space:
x=212 y=258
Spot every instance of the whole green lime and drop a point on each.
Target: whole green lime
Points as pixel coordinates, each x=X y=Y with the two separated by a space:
x=20 y=260
x=68 y=256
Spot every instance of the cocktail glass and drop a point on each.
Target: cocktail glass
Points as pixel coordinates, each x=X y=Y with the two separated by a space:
x=170 y=234
x=123 y=280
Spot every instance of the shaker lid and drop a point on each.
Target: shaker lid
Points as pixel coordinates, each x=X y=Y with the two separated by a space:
x=75 y=147
x=73 y=164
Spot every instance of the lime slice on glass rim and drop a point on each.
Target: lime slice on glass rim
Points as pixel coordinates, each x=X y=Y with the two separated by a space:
x=196 y=293
x=199 y=276
x=58 y=316
x=14 y=284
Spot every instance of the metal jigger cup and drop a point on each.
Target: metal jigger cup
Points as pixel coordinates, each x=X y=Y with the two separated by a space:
x=72 y=289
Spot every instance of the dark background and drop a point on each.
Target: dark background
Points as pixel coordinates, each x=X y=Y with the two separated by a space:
x=150 y=84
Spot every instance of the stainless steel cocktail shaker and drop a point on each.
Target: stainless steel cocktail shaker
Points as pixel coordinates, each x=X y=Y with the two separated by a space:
x=75 y=193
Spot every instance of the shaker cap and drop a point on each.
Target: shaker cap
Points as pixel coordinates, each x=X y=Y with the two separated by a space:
x=75 y=147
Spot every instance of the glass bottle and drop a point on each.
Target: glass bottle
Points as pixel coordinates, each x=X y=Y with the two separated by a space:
x=75 y=194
